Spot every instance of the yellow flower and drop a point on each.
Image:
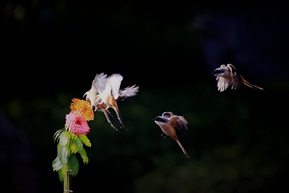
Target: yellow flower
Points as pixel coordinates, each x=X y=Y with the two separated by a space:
x=83 y=108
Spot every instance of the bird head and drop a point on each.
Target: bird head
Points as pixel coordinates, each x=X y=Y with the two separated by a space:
x=219 y=71
x=160 y=119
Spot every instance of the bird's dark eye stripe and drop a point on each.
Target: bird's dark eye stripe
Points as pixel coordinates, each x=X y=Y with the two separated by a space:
x=217 y=71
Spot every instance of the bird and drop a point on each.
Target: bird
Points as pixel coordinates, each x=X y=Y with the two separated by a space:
x=105 y=92
x=98 y=84
x=227 y=75
x=168 y=123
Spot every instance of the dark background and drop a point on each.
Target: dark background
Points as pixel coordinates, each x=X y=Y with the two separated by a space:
x=237 y=140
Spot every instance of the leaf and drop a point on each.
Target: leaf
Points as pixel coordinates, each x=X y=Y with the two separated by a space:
x=57 y=134
x=62 y=154
x=73 y=148
x=83 y=156
x=60 y=175
x=62 y=172
x=63 y=139
x=85 y=140
x=56 y=164
x=73 y=164
x=73 y=136
x=77 y=143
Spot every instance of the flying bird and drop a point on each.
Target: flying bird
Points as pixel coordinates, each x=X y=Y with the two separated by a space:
x=168 y=123
x=105 y=92
x=98 y=84
x=227 y=75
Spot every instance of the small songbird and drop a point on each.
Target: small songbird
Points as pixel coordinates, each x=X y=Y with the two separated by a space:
x=98 y=84
x=226 y=75
x=168 y=123
x=105 y=92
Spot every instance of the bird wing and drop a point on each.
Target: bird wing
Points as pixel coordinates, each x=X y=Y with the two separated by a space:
x=222 y=83
x=114 y=83
x=128 y=91
x=167 y=114
x=178 y=122
x=99 y=82
x=235 y=82
x=97 y=86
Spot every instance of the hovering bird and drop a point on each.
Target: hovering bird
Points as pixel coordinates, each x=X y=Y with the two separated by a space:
x=105 y=92
x=226 y=75
x=168 y=123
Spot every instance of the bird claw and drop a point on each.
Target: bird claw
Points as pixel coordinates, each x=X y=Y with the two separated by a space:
x=163 y=136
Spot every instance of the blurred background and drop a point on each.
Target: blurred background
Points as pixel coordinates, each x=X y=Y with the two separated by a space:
x=238 y=140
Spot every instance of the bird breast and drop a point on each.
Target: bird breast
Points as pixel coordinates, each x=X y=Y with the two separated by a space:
x=166 y=128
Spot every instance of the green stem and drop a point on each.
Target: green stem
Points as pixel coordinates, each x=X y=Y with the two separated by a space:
x=67 y=182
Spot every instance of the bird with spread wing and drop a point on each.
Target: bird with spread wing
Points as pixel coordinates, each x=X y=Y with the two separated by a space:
x=227 y=75
x=105 y=92
x=168 y=123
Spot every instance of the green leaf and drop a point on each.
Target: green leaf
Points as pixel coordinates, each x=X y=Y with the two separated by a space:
x=83 y=156
x=73 y=164
x=85 y=140
x=60 y=175
x=73 y=136
x=78 y=144
x=73 y=148
x=62 y=172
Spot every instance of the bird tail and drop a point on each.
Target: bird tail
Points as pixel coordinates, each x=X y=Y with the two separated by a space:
x=112 y=120
x=250 y=85
x=183 y=149
x=120 y=118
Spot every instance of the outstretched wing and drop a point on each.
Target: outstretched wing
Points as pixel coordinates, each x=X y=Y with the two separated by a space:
x=167 y=114
x=99 y=82
x=114 y=82
x=128 y=91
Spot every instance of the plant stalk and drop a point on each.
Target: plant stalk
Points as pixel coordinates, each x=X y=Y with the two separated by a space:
x=67 y=182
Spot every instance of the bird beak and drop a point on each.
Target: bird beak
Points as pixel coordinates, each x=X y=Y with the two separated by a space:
x=218 y=71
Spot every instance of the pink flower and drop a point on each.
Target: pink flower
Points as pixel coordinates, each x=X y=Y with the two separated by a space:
x=76 y=124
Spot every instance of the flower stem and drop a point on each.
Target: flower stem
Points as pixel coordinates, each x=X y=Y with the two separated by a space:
x=67 y=182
